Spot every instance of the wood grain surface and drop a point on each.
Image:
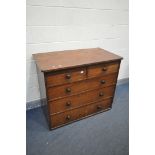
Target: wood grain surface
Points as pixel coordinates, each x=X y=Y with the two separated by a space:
x=77 y=83
x=77 y=87
x=75 y=114
x=52 y=61
x=81 y=99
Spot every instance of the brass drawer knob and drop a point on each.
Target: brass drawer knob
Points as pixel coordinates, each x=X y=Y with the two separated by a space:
x=68 y=103
x=102 y=81
x=99 y=107
x=68 y=76
x=68 y=90
x=101 y=94
x=68 y=117
x=104 y=69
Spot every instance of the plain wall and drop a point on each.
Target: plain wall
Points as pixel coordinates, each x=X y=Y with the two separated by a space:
x=54 y=25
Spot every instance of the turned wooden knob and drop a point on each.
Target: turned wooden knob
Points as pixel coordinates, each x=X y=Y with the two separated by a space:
x=68 y=90
x=68 y=103
x=99 y=107
x=101 y=94
x=102 y=81
x=68 y=76
x=68 y=117
x=104 y=69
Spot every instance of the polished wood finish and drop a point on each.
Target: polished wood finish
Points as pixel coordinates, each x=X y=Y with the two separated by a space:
x=103 y=69
x=81 y=99
x=71 y=115
x=53 y=61
x=77 y=83
x=75 y=88
x=67 y=76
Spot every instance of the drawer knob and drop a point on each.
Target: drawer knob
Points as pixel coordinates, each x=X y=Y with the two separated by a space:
x=68 y=76
x=68 y=117
x=68 y=104
x=102 y=81
x=104 y=69
x=101 y=94
x=99 y=107
x=68 y=90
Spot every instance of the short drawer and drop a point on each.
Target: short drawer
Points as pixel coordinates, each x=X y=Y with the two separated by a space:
x=78 y=87
x=74 y=101
x=103 y=69
x=66 y=76
x=73 y=115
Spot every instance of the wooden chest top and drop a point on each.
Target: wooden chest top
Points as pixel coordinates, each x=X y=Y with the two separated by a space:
x=53 y=61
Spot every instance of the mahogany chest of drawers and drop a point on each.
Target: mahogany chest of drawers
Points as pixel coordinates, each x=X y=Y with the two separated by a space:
x=76 y=83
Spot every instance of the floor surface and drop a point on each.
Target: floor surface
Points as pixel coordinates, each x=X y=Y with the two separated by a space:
x=102 y=134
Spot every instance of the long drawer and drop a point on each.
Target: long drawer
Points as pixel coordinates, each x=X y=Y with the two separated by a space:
x=75 y=114
x=77 y=87
x=80 y=99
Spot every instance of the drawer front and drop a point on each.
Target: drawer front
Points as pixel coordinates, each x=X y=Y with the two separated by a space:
x=103 y=69
x=78 y=87
x=66 y=117
x=67 y=76
x=80 y=99
x=99 y=106
x=72 y=115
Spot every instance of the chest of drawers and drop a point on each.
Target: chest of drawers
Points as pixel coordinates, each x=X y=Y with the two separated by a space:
x=76 y=83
